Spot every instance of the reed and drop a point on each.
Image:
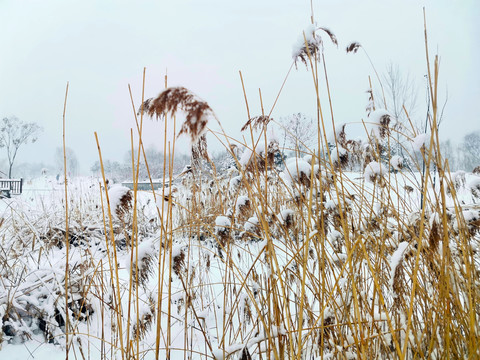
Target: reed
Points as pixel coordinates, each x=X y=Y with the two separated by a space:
x=342 y=252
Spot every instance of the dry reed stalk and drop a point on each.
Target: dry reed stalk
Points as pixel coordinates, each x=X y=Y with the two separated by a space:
x=67 y=241
x=352 y=328
x=118 y=307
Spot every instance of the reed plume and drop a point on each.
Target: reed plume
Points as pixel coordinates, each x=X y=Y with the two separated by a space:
x=353 y=47
x=197 y=113
x=170 y=100
x=257 y=122
x=311 y=44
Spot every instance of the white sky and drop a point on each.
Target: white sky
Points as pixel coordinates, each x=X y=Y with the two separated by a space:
x=102 y=46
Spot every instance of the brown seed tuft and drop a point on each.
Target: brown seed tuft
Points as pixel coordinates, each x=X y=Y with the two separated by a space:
x=331 y=34
x=199 y=152
x=170 y=100
x=434 y=237
x=124 y=205
x=178 y=263
x=312 y=46
x=257 y=122
x=383 y=125
x=353 y=47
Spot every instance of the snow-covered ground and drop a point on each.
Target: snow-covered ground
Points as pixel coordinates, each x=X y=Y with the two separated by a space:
x=215 y=275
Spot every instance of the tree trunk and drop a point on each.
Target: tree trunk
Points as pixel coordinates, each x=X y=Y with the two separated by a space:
x=10 y=170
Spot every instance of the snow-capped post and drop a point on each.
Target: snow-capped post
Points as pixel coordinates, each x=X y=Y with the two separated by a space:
x=197 y=113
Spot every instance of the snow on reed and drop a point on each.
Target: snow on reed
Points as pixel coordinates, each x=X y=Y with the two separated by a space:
x=396 y=260
x=374 y=171
x=396 y=162
x=419 y=141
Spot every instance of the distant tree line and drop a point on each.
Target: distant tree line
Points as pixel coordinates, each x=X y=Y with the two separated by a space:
x=465 y=155
x=117 y=171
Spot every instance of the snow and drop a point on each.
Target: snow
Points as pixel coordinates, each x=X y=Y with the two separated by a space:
x=295 y=168
x=375 y=118
x=396 y=162
x=218 y=354
x=235 y=183
x=308 y=35
x=333 y=136
x=374 y=170
x=396 y=259
x=115 y=194
x=419 y=141
x=334 y=235
x=337 y=152
x=222 y=223
x=251 y=224
x=474 y=183
x=247 y=153
x=309 y=159
x=41 y=286
x=242 y=201
x=285 y=215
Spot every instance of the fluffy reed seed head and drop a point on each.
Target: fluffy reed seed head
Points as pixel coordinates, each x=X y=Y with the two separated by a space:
x=172 y=99
x=312 y=44
x=353 y=47
x=257 y=122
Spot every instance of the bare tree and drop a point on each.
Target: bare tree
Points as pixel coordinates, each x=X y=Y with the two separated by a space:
x=450 y=153
x=400 y=92
x=13 y=134
x=72 y=162
x=299 y=132
x=471 y=150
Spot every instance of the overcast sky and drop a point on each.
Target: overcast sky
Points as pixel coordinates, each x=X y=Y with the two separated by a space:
x=100 y=47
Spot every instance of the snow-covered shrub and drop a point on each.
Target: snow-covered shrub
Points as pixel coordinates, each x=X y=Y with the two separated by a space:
x=458 y=181
x=235 y=183
x=340 y=158
x=335 y=238
x=141 y=271
x=178 y=259
x=381 y=120
x=418 y=142
x=298 y=171
x=120 y=201
x=396 y=162
x=223 y=226
x=286 y=218
x=375 y=172
x=259 y=160
x=243 y=206
x=252 y=225
x=474 y=186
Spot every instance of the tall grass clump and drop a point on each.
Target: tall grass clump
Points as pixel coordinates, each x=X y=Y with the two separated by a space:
x=348 y=250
